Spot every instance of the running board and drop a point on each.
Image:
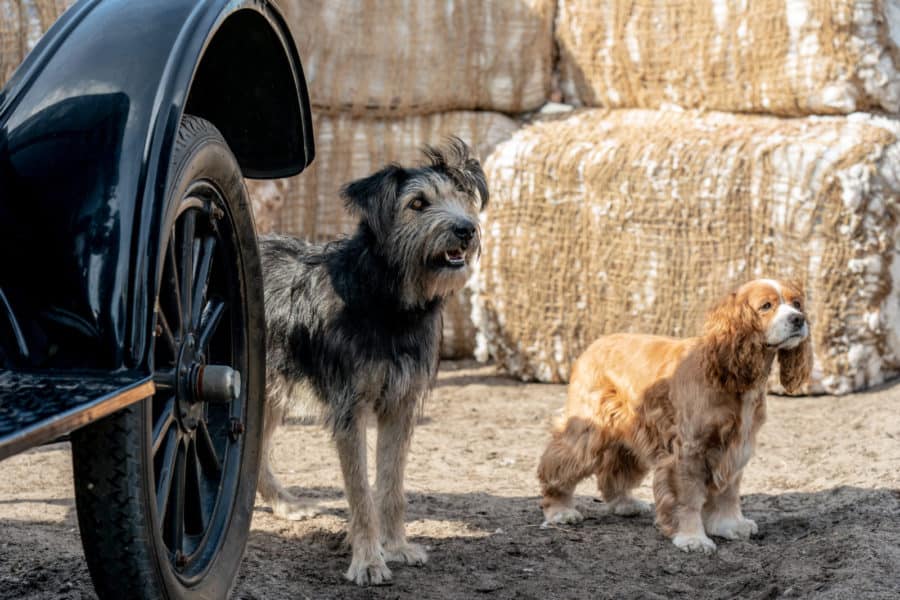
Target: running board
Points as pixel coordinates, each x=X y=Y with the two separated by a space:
x=36 y=408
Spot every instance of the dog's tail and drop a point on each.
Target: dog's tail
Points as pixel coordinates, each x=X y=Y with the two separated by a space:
x=571 y=455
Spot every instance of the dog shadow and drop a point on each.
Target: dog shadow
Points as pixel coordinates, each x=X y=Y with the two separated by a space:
x=837 y=543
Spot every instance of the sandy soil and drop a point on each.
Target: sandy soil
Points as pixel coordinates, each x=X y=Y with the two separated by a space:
x=824 y=488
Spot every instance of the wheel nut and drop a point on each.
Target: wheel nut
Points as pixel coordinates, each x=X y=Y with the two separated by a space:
x=237 y=429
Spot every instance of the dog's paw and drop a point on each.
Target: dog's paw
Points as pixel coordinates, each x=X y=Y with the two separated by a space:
x=411 y=554
x=296 y=510
x=694 y=543
x=370 y=571
x=733 y=529
x=629 y=507
x=563 y=516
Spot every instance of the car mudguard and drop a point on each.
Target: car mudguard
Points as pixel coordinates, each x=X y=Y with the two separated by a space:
x=87 y=126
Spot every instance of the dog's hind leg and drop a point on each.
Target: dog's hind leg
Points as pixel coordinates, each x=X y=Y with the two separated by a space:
x=284 y=504
x=394 y=435
x=619 y=472
x=367 y=565
x=570 y=456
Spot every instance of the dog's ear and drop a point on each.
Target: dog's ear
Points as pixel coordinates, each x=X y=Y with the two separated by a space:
x=795 y=365
x=454 y=158
x=734 y=346
x=372 y=198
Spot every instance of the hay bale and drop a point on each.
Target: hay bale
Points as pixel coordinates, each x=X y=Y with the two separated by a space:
x=348 y=148
x=22 y=23
x=458 y=332
x=636 y=220
x=392 y=58
x=771 y=56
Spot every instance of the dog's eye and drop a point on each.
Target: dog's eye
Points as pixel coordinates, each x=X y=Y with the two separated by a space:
x=418 y=203
x=766 y=306
x=796 y=304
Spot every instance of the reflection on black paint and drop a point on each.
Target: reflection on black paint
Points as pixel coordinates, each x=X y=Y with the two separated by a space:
x=58 y=171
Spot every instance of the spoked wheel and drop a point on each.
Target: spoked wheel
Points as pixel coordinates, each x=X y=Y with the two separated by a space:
x=165 y=488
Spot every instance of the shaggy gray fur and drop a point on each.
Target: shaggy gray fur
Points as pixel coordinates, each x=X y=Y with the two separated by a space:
x=354 y=325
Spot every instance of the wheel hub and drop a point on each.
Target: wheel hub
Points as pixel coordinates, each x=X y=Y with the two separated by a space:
x=189 y=409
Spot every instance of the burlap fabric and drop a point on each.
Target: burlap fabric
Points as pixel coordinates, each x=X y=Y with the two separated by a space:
x=771 y=56
x=392 y=58
x=22 y=22
x=347 y=148
x=310 y=206
x=636 y=220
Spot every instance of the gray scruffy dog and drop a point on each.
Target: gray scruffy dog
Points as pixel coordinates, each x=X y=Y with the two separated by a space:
x=354 y=325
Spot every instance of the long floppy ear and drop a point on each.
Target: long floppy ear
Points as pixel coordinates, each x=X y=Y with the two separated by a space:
x=733 y=346
x=453 y=157
x=373 y=198
x=795 y=365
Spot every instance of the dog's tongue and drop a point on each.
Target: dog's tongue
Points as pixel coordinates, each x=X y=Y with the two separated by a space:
x=454 y=256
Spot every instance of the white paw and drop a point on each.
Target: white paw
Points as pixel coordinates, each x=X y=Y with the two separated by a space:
x=733 y=529
x=411 y=554
x=629 y=507
x=564 y=516
x=369 y=570
x=296 y=510
x=694 y=543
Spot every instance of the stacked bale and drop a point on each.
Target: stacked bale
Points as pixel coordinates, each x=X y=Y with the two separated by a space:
x=387 y=58
x=773 y=56
x=348 y=148
x=387 y=77
x=22 y=22
x=636 y=220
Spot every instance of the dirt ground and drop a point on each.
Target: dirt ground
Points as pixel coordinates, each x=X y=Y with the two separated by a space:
x=824 y=488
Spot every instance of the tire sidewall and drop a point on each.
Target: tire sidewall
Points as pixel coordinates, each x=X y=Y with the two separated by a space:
x=206 y=157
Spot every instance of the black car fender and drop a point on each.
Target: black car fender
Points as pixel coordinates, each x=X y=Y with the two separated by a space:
x=87 y=126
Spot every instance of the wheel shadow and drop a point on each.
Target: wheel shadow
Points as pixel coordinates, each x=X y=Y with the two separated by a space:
x=837 y=543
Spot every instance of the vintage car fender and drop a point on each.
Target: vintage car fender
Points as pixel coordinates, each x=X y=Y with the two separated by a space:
x=87 y=126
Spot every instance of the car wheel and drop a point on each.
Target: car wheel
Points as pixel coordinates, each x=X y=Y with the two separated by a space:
x=165 y=488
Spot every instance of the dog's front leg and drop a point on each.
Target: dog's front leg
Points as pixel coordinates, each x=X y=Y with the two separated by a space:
x=688 y=481
x=394 y=437
x=722 y=515
x=367 y=565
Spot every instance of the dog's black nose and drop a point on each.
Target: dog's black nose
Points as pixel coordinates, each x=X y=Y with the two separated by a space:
x=797 y=321
x=464 y=231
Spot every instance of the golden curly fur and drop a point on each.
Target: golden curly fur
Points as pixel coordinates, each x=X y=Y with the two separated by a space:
x=687 y=409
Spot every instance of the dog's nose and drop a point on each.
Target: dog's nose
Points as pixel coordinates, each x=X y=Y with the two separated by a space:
x=464 y=231
x=797 y=321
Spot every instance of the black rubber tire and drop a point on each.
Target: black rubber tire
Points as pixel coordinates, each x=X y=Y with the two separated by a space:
x=115 y=486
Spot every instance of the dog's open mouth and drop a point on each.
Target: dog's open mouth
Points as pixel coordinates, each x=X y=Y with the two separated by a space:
x=453 y=259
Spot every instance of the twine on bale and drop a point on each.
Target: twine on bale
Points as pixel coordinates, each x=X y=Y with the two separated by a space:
x=769 y=56
x=394 y=58
x=637 y=220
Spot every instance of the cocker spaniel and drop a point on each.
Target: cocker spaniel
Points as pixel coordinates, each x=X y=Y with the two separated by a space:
x=687 y=409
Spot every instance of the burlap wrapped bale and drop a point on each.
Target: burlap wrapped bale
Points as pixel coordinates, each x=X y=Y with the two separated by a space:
x=391 y=58
x=310 y=206
x=636 y=220
x=348 y=148
x=267 y=197
x=22 y=22
x=783 y=57
x=458 y=333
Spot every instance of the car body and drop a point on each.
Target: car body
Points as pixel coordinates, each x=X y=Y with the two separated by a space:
x=87 y=127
